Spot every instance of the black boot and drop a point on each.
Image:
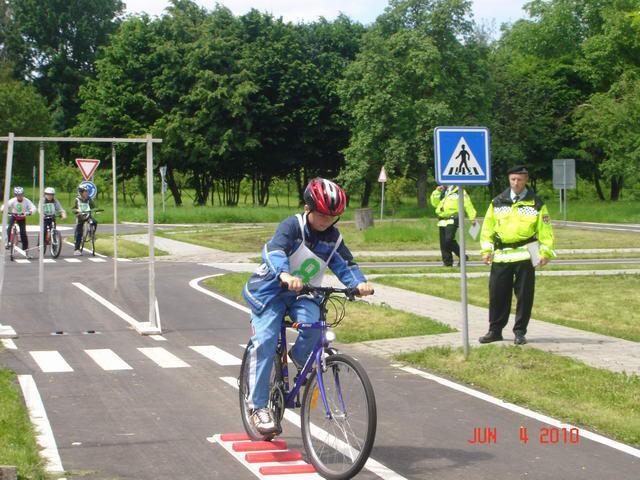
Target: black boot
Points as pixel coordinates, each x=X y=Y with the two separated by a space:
x=491 y=336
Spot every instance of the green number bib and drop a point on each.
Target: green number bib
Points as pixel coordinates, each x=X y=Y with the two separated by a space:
x=49 y=209
x=19 y=208
x=309 y=269
x=84 y=207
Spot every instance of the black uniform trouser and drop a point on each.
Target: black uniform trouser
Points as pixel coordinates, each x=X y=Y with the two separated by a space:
x=448 y=243
x=24 y=238
x=79 y=228
x=516 y=277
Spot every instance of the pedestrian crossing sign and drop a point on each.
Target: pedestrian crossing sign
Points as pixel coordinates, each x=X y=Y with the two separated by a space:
x=462 y=156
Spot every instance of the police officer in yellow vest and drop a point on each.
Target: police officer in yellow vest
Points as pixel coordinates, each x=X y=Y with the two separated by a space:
x=445 y=201
x=515 y=229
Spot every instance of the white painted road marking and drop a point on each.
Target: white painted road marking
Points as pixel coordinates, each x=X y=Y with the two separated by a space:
x=9 y=344
x=39 y=419
x=217 y=355
x=195 y=285
x=73 y=260
x=50 y=361
x=22 y=260
x=124 y=260
x=524 y=411
x=48 y=260
x=125 y=316
x=97 y=260
x=158 y=338
x=107 y=359
x=372 y=465
x=163 y=358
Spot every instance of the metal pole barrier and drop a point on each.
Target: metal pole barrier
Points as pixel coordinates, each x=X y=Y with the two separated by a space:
x=115 y=217
x=33 y=192
x=382 y=202
x=150 y=213
x=463 y=274
x=564 y=210
x=41 y=223
x=5 y=211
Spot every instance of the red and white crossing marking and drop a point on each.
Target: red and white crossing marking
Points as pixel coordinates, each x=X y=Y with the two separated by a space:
x=266 y=460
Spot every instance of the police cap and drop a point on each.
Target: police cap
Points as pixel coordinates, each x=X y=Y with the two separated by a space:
x=518 y=169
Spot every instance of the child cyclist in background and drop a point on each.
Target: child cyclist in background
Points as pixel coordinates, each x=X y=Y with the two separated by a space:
x=303 y=246
x=19 y=207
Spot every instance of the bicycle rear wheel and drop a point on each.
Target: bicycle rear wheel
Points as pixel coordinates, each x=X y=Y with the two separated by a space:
x=12 y=244
x=56 y=243
x=340 y=445
x=276 y=396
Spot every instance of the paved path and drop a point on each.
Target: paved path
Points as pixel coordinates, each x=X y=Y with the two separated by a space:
x=188 y=252
x=541 y=273
x=436 y=253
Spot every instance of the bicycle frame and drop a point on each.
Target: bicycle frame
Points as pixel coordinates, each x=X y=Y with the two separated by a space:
x=290 y=396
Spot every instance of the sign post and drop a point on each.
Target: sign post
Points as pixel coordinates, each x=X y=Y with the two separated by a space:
x=382 y=179
x=5 y=330
x=564 y=178
x=462 y=157
x=163 y=174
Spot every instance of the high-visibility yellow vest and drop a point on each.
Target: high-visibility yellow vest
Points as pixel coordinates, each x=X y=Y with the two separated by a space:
x=446 y=205
x=508 y=227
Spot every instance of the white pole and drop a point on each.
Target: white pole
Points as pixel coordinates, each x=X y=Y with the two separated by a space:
x=463 y=274
x=5 y=211
x=33 y=193
x=382 y=202
x=150 y=213
x=115 y=216
x=41 y=222
x=564 y=210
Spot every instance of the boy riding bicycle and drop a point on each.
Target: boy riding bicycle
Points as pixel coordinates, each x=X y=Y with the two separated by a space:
x=82 y=207
x=19 y=207
x=303 y=246
x=51 y=207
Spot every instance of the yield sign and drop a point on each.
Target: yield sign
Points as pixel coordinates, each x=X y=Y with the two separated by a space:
x=382 y=178
x=87 y=166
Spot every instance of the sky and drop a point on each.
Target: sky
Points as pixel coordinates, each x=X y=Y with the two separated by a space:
x=365 y=11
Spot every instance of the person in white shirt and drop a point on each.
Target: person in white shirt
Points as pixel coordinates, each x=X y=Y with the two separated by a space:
x=18 y=208
x=50 y=207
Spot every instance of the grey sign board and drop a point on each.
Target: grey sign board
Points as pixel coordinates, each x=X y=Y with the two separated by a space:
x=564 y=173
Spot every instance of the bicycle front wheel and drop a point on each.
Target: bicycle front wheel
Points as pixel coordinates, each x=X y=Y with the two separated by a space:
x=339 y=444
x=56 y=243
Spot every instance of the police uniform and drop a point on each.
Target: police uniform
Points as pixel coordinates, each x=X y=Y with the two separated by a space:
x=513 y=221
x=446 y=204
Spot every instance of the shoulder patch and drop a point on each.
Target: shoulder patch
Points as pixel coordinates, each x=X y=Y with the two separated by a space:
x=546 y=219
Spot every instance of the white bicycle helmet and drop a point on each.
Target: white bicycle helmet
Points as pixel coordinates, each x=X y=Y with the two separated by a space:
x=50 y=190
x=18 y=191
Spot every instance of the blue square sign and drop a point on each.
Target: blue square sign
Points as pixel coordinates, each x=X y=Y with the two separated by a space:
x=462 y=156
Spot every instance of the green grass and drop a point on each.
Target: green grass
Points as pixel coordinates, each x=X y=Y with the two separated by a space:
x=476 y=258
x=551 y=266
x=597 y=399
x=400 y=235
x=608 y=305
x=126 y=248
x=362 y=321
x=17 y=440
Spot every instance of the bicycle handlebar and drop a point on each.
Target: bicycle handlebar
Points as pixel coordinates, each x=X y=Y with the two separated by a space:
x=307 y=289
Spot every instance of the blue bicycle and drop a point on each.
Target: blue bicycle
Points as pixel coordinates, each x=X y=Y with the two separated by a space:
x=338 y=407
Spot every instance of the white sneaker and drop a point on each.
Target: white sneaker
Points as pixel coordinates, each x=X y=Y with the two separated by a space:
x=263 y=421
x=77 y=253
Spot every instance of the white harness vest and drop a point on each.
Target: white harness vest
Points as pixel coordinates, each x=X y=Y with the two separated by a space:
x=305 y=264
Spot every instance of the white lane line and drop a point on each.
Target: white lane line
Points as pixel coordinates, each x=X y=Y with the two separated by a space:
x=107 y=359
x=72 y=260
x=158 y=338
x=20 y=251
x=124 y=260
x=100 y=255
x=39 y=419
x=372 y=465
x=22 y=260
x=50 y=361
x=163 y=358
x=9 y=344
x=103 y=301
x=217 y=355
x=97 y=260
x=48 y=260
x=195 y=285
x=524 y=411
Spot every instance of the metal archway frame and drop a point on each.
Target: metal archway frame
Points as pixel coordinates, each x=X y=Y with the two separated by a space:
x=147 y=328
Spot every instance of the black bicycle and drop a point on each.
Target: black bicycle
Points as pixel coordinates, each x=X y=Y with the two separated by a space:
x=52 y=237
x=89 y=227
x=339 y=416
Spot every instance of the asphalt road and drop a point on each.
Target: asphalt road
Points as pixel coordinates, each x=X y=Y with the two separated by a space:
x=152 y=422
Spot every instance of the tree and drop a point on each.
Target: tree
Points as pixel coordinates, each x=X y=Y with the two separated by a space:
x=58 y=45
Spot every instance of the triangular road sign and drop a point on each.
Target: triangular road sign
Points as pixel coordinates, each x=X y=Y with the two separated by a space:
x=382 y=178
x=463 y=161
x=87 y=166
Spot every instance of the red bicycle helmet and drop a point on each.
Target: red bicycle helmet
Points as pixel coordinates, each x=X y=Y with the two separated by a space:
x=325 y=197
